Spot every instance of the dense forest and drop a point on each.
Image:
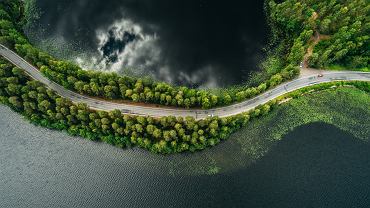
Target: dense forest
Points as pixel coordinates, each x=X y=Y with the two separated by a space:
x=165 y=135
x=330 y=32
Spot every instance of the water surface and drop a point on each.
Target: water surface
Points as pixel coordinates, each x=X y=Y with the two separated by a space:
x=316 y=165
x=195 y=42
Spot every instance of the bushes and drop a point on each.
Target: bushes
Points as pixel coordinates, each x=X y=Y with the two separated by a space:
x=164 y=135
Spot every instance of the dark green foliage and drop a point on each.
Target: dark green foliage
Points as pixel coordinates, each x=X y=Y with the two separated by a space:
x=344 y=28
x=165 y=135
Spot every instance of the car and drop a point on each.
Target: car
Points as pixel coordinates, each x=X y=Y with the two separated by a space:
x=320 y=75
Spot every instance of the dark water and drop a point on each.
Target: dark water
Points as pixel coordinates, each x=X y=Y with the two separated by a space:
x=194 y=42
x=316 y=165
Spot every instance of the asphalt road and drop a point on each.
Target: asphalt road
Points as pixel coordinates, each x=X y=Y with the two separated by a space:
x=234 y=109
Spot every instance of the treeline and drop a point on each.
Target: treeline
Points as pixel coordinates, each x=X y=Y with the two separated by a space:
x=160 y=135
x=343 y=28
x=113 y=86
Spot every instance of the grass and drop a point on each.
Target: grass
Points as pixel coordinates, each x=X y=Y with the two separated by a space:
x=346 y=108
x=343 y=68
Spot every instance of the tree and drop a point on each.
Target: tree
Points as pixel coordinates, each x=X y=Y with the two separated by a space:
x=115 y=114
x=135 y=97
x=167 y=136
x=44 y=106
x=83 y=114
x=105 y=121
x=276 y=80
x=141 y=120
x=262 y=87
x=157 y=133
x=139 y=128
x=29 y=107
x=149 y=96
x=95 y=89
x=79 y=86
x=227 y=99
x=128 y=93
x=214 y=100
x=15 y=102
x=139 y=87
x=297 y=52
x=206 y=103
x=168 y=99
x=109 y=91
x=18 y=72
x=150 y=129
x=240 y=96
x=265 y=109
x=325 y=26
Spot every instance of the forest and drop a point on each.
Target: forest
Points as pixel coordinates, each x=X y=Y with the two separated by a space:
x=330 y=32
x=160 y=135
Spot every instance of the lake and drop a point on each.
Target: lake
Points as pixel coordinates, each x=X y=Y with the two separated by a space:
x=201 y=43
x=316 y=165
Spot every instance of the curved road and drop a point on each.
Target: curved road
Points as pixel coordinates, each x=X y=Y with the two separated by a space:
x=196 y=113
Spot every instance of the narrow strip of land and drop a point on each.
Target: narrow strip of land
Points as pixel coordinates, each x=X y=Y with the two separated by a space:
x=98 y=104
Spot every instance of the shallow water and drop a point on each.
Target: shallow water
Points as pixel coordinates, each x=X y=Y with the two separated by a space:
x=316 y=165
x=195 y=42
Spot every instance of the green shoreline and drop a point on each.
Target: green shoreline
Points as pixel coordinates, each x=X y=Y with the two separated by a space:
x=165 y=135
x=252 y=142
x=345 y=107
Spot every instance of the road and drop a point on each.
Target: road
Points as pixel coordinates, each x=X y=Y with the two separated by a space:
x=230 y=110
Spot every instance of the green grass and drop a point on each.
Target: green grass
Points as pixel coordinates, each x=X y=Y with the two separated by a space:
x=343 y=68
x=346 y=108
